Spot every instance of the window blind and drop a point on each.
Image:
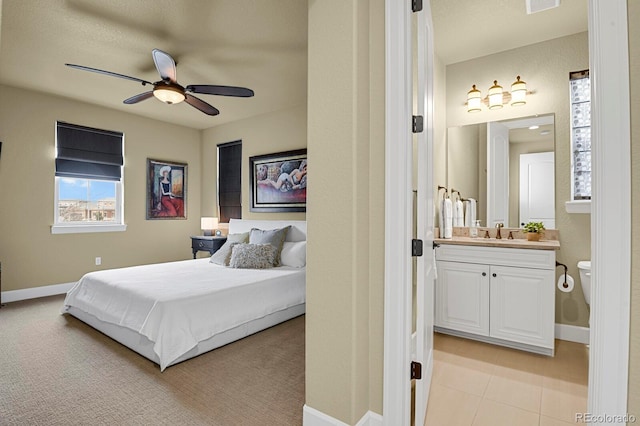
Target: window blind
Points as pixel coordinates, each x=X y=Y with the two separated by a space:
x=229 y=180
x=88 y=153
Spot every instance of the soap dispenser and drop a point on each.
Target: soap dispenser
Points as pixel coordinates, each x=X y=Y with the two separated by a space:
x=473 y=230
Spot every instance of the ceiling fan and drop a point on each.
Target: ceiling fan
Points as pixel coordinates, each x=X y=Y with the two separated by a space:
x=169 y=91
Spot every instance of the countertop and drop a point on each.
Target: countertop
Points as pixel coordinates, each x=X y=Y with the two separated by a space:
x=460 y=237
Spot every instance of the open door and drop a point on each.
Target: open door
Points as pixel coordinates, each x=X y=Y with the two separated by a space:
x=425 y=270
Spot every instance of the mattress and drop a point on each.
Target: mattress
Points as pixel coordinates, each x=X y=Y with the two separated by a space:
x=177 y=305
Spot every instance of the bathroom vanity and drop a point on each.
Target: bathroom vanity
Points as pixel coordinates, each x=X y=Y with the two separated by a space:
x=500 y=291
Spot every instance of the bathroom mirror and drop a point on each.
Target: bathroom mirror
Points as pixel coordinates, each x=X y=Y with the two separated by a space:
x=508 y=167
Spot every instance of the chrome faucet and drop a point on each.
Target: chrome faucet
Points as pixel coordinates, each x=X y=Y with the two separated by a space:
x=499 y=226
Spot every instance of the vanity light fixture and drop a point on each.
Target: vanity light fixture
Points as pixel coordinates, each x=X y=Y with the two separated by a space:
x=496 y=97
x=474 y=100
x=518 y=92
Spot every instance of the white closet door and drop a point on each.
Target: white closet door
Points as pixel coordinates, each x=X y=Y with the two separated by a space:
x=537 y=189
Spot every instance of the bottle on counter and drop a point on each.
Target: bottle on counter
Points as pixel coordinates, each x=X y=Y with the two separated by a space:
x=473 y=230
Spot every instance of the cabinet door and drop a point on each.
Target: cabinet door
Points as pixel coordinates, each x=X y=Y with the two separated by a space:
x=522 y=305
x=462 y=297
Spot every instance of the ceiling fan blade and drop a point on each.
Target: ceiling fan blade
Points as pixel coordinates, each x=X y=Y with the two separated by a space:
x=112 y=74
x=201 y=105
x=207 y=89
x=138 y=98
x=165 y=65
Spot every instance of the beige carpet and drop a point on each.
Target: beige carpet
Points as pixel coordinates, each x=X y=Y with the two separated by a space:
x=55 y=370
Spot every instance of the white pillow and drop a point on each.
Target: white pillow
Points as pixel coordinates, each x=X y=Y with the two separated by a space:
x=294 y=254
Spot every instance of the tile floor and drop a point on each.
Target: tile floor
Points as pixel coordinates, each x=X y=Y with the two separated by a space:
x=477 y=384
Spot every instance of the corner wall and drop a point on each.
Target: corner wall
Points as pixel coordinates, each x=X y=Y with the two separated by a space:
x=344 y=321
x=279 y=131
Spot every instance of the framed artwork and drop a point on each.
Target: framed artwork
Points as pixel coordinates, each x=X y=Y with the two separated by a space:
x=278 y=182
x=166 y=190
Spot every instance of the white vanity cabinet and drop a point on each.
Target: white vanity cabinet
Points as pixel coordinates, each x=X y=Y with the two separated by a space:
x=499 y=295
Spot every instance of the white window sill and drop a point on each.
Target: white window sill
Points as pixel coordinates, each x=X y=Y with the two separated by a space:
x=578 y=206
x=82 y=229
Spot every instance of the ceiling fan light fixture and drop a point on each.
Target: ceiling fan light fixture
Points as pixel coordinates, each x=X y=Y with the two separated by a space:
x=169 y=94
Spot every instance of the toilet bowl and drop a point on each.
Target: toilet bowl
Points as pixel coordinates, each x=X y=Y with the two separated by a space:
x=584 y=267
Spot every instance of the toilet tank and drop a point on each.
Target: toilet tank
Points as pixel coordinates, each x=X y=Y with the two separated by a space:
x=584 y=267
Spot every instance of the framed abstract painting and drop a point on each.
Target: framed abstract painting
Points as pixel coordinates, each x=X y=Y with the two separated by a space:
x=278 y=182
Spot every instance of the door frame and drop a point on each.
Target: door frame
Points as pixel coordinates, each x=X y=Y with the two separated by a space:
x=610 y=217
x=398 y=214
x=610 y=207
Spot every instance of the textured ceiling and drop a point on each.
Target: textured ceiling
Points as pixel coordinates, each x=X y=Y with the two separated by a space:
x=467 y=29
x=260 y=44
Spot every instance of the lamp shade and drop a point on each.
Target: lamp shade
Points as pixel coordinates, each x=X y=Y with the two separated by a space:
x=474 y=100
x=208 y=223
x=495 y=96
x=518 y=92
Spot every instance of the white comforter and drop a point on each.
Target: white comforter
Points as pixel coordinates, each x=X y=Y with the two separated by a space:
x=178 y=304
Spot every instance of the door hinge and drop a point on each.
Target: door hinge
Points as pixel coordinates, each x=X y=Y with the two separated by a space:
x=416 y=247
x=416 y=370
x=416 y=5
x=417 y=124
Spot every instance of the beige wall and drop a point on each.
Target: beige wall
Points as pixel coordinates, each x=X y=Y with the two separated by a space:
x=31 y=256
x=265 y=134
x=545 y=67
x=346 y=216
x=634 y=72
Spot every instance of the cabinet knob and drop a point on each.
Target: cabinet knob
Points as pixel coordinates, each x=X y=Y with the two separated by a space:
x=484 y=274
x=494 y=275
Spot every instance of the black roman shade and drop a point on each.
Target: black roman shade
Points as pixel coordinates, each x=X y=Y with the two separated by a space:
x=88 y=153
x=229 y=180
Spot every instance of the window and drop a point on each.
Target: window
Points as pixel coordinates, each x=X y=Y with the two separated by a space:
x=88 y=182
x=581 y=134
x=229 y=181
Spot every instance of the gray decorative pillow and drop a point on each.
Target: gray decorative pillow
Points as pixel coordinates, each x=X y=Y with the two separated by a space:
x=222 y=256
x=275 y=237
x=252 y=256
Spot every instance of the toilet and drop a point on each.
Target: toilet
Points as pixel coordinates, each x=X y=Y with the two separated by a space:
x=584 y=267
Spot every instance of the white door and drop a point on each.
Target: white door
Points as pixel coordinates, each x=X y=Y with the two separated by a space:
x=497 y=174
x=425 y=211
x=537 y=189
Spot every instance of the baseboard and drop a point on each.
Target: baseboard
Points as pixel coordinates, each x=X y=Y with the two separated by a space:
x=572 y=333
x=313 y=417
x=35 y=292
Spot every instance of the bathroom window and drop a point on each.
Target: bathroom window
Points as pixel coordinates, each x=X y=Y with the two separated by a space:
x=581 y=134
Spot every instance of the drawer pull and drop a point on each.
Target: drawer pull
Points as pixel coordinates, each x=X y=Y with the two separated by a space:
x=201 y=244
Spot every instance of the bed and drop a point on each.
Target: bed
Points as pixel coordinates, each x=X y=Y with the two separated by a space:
x=170 y=312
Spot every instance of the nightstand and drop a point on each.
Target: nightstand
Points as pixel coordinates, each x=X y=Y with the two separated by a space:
x=210 y=244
